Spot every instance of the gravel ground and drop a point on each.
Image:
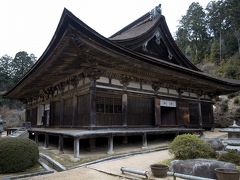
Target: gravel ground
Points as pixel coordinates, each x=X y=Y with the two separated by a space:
x=110 y=170
x=76 y=174
x=141 y=162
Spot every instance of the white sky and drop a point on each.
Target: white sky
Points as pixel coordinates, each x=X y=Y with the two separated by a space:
x=28 y=25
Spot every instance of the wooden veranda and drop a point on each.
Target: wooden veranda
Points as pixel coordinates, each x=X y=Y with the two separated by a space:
x=78 y=134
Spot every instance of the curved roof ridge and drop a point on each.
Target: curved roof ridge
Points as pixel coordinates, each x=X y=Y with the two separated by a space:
x=174 y=46
x=68 y=20
x=131 y=25
x=138 y=33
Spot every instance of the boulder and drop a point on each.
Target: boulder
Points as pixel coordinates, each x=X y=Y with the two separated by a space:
x=199 y=167
x=216 y=143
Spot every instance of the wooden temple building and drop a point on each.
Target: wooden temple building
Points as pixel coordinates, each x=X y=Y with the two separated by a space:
x=137 y=82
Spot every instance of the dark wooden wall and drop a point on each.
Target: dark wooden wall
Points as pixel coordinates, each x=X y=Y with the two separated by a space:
x=71 y=116
x=74 y=111
x=31 y=116
x=194 y=114
x=55 y=110
x=189 y=114
x=83 y=111
x=108 y=109
x=183 y=113
x=67 y=112
x=140 y=111
x=168 y=116
x=207 y=114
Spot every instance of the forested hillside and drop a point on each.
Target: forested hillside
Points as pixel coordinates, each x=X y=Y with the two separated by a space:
x=11 y=71
x=210 y=37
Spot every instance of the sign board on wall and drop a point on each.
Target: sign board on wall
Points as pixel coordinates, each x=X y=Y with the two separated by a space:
x=166 y=103
x=47 y=107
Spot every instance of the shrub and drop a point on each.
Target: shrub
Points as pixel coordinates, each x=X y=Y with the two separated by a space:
x=17 y=154
x=231 y=156
x=189 y=146
x=236 y=101
x=224 y=106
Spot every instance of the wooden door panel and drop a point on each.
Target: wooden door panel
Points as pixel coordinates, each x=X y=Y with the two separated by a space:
x=183 y=113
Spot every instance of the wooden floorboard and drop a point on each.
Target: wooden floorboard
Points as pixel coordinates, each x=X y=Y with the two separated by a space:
x=81 y=133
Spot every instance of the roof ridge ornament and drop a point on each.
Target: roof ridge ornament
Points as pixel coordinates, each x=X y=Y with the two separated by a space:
x=154 y=13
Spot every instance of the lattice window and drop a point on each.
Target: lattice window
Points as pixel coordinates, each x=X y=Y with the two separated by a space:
x=108 y=105
x=109 y=110
x=100 y=104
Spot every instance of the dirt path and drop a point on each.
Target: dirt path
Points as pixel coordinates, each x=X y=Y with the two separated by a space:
x=141 y=162
x=76 y=174
x=109 y=170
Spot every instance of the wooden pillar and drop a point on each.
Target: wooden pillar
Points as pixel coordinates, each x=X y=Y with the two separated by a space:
x=125 y=140
x=92 y=143
x=46 y=141
x=74 y=110
x=144 y=141
x=110 y=144
x=76 y=148
x=200 y=111
x=157 y=112
x=181 y=109
x=60 y=143
x=36 y=138
x=124 y=108
x=93 y=102
x=51 y=115
x=61 y=111
x=125 y=82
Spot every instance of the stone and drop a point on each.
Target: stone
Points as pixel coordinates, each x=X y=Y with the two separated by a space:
x=199 y=167
x=216 y=143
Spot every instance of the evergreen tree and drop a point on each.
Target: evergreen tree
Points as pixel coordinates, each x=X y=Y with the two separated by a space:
x=233 y=18
x=5 y=72
x=193 y=27
x=21 y=63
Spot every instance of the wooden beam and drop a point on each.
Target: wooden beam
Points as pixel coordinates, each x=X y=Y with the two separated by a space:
x=144 y=141
x=125 y=140
x=36 y=138
x=74 y=110
x=93 y=103
x=124 y=108
x=76 y=148
x=92 y=143
x=157 y=111
x=200 y=111
x=60 y=143
x=110 y=144
x=46 y=141
x=61 y=111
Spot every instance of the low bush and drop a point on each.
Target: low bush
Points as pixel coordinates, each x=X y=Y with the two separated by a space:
x=231 y=156
x=189 y=146
x=236 y=101
x=17 y=154
x=224 y=106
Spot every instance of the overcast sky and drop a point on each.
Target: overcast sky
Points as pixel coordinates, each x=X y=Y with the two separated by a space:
x=28 y=25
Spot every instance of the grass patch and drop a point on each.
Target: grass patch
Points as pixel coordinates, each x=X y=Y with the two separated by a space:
x=36 y=168
x=67 y=159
